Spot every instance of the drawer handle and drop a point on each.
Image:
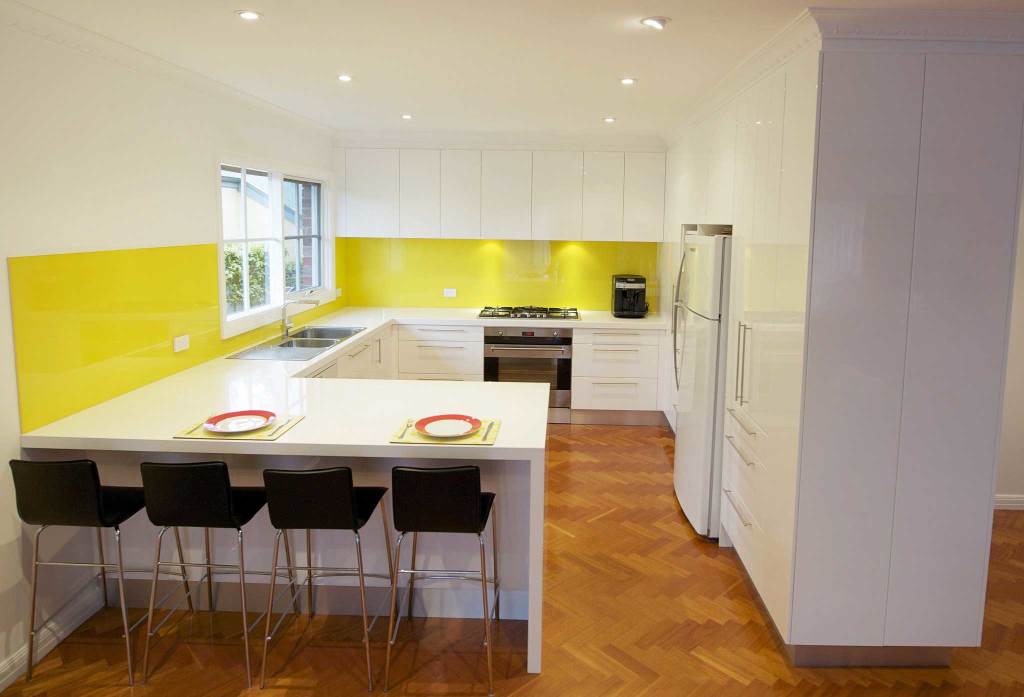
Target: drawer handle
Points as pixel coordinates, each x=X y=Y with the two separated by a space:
x=616 y=383
x=353 y=355
x=446 y=348
x=747 y=460
x=621 y=350
x=431 y=329
x=735 y=507
x=616 y=334
x=746 y=429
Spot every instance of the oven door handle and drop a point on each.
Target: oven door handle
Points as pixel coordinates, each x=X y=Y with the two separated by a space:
x=537 y=351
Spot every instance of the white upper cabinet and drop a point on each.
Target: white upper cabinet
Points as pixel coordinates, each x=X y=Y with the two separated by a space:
x=513 y=194
x=721 y=162
x=644 y=197
x=419 y=193
x=603 y=177
x=460 y=193
x=506 y=194
x=371 y=193
x=557 y=195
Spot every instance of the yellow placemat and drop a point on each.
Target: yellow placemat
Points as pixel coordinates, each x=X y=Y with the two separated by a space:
x=271 y=432
x=487 y=434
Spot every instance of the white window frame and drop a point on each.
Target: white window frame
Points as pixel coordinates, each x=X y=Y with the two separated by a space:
x=268 y=314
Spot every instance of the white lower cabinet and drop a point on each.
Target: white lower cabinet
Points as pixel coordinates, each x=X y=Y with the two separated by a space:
x=426 y=350
x=616 y=394
x=357 y=362
x=441 y=376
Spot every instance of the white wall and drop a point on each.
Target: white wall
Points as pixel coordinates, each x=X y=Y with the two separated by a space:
x=132 y=146
x=1010 y=480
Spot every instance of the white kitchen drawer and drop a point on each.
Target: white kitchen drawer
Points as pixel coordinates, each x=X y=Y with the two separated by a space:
x=629 y=394
x=649 y=337
x=615 y=360
x=448 y=357
x=441 y=376
x=427 y=332
x=744 y=533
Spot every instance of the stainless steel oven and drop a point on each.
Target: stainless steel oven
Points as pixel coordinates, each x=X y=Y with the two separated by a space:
x=514 y=354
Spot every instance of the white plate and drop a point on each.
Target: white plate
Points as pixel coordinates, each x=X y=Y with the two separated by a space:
x=238 y=423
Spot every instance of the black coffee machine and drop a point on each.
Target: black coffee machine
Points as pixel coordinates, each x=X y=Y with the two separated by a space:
x=629 y=295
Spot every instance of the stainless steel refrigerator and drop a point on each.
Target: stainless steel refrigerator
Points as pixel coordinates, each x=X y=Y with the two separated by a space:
x=700 y=335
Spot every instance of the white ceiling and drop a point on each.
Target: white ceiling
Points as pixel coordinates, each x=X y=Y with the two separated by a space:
x=509 y=66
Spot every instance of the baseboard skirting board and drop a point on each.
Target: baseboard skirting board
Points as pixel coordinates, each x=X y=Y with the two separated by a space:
x=1009 y=502
x=334 y=599
x=83 y=604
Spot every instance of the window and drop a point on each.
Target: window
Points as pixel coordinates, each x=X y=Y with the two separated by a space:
x=272 y=238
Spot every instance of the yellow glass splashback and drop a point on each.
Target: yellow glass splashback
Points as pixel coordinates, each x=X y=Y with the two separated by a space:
x=415 y=272
x=90 y=326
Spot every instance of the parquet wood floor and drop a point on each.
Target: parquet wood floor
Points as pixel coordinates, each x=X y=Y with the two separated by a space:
x=635 y=605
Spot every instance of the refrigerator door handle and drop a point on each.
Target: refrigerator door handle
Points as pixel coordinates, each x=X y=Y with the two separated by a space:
x=737 y=394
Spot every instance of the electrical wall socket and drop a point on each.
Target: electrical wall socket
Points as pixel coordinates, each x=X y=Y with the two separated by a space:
x=180 y=343
x=449 y=292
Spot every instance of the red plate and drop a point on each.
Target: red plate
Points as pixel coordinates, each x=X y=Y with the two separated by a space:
x=447 y=426
x=240 y=421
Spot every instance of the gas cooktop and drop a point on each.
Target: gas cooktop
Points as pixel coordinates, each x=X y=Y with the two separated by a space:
x=530 y=312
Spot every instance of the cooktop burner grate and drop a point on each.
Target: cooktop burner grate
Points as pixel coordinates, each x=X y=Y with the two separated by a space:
x=529 y=312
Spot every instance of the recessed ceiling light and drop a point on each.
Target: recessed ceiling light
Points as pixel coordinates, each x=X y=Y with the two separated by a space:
x=628 y=81
x=609 y=119
x=655 y=22
x=345 y=78
x=249 y=15
x=406 y=116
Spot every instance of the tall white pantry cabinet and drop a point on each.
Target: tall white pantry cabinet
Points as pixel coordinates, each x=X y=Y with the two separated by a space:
x=876 y=183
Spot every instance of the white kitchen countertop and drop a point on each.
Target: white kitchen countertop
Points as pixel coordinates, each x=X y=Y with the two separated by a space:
x=342 y=417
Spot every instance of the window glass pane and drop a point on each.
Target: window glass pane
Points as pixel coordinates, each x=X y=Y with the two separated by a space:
x=309 y=221
x=301 y=263
x=259 y=274
x=290 y=205
x=291 y=264
x=257 y=205
x=231 y=202
x=234 y=286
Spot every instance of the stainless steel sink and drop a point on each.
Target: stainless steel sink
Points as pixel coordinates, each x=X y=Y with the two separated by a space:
x=308 y=343
x=301 y=346
x=326 y=332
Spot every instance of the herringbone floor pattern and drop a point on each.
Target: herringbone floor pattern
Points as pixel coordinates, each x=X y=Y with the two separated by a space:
x=635 y=605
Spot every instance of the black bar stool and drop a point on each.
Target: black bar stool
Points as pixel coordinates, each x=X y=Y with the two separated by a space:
x=69 y=493
x=199 y=495
x=443 y=500
x=322 y=499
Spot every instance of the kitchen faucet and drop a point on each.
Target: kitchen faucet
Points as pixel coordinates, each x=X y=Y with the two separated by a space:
x=286 y=326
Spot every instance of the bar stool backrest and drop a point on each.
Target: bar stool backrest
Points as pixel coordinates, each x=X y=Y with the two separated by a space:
x=445 y=499
x=58 y=493
x=192 y=494
x=319 y=499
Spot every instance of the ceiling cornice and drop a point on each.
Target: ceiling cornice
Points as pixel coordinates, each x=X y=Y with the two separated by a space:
x=918 y=25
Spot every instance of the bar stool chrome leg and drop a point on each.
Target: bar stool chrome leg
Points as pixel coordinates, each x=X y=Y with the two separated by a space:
x=309 y=571
x=270 y=608
x=245 y=615
x=366 y=621
x=387 y=538
x=124 y=607
x=152 y=603
x=394 y=611
x=412 y=577
x=209 y=569
x=103 y=569
x=486 y=615
x=494 y=553
x=184 y=573
x=291 y=573
x=32 y=604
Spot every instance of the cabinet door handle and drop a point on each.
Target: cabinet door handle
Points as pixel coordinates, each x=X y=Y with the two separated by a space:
x=735 y=507
x=747 y=460
x=743 y=386
x=441 y=348
x=380 y=351
x=737 y=396
x=441 y=329
x=746 y=429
